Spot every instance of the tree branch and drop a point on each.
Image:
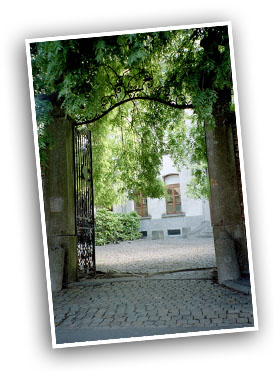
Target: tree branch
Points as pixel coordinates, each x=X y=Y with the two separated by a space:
x=145 y=98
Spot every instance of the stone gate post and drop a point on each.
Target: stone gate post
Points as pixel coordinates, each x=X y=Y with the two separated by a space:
x=58 y=188
x=226 y=213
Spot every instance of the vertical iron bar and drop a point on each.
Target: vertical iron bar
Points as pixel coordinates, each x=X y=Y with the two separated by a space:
x=81 y=175
x=75 y=177
x=92 y=207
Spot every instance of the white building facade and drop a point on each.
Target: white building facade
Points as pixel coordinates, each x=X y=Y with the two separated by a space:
x=177 y=215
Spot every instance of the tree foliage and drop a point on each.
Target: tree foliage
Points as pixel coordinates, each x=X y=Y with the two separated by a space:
x=131 y=91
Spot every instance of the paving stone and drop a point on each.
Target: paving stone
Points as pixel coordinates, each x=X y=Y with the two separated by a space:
x=182 y=322
x=188 y=317
x=205 y=321
x=232 y=316
x=234 y=311
x=242 y=320
x=230 y=321
x=164 y=318
x=184 y=312
x=193 y=322
x=216 y=320
x=197 y=314
x=154 y=318
x=244 y=315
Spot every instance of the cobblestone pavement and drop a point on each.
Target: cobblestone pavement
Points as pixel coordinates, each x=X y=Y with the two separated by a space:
x=180 y=300
x=151 y=303
x=150 y=256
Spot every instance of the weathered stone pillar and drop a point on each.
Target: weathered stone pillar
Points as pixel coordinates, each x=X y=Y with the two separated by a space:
x=58 y=187
x=226 y=214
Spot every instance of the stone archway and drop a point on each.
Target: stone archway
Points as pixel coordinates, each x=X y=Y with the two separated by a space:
x=59 y=197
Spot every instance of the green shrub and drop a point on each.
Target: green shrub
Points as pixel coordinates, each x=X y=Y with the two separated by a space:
x=113 y=227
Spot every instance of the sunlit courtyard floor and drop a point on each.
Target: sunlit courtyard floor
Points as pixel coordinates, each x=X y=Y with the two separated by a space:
x=153 y=256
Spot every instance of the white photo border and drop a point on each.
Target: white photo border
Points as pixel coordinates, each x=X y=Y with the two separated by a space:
x=39 y=179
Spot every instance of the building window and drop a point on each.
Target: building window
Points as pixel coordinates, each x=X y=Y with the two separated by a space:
x=173 y=200
x=140 y=206
x=174 y=232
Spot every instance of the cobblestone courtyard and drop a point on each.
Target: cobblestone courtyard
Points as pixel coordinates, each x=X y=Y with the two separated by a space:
x=150 y=302
x=150 y=256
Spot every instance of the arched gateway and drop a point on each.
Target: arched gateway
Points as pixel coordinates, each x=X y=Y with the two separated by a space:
x=69 y=206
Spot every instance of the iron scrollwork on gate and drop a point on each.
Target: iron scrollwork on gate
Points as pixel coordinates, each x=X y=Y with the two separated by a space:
x=84 y=202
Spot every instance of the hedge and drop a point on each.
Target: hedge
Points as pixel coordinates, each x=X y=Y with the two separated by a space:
x=114 y=227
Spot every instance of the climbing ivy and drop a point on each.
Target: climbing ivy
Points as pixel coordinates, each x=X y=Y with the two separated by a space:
x=43 y=110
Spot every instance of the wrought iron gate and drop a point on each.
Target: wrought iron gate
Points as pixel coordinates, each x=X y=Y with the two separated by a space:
x=84 y=202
